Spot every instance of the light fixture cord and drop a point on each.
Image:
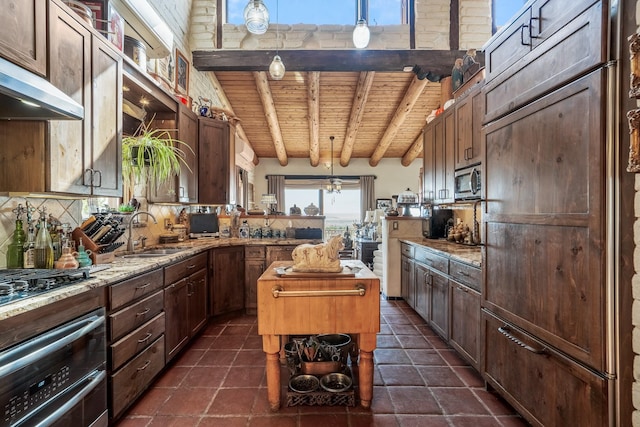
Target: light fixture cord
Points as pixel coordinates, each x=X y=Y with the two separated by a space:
x=331 y=138
x=277 y=26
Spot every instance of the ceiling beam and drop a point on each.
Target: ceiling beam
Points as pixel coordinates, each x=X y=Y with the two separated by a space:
x=414 y=151
x=365 y=81
x=262 y=84
x=438 y=62
x=404 y=108
x=313 y=103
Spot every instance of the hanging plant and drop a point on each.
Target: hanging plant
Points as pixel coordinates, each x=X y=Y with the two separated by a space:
x=152 y=156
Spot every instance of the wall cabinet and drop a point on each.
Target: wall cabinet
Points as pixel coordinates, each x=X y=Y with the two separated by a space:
x=135 y=337
x=469 y=111
x=438 y=158
x=23 y=34
x=226 y=278
x=216 y=162
x=185 y=302
x=71 y=157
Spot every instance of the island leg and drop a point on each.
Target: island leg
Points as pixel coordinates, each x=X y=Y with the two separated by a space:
x=271 y=346
x=367 y=345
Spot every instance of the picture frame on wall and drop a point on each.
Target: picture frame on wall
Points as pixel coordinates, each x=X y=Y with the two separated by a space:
x=384 y=204
x=182 y=74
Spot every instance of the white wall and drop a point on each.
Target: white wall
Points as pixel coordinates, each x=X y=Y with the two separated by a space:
x=392 y=177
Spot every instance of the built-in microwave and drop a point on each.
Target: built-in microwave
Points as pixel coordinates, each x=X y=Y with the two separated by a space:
x=468 y=184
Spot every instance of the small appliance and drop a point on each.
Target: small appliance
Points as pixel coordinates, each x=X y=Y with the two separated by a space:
x=434 y=226
x=468 y=184
x=203 y=225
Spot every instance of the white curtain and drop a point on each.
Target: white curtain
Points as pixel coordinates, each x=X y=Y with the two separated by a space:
x=367 y=194
x=275 y=185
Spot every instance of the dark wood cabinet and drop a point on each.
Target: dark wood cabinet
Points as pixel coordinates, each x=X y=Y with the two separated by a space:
x=428 y=174
x=254 y=266
x=407 y=283
x=422 y=285
x=438 y=160
x=469 y=110
x=465 y=333
x=364 y=251
x=215 y=159
x=185 y=302
x=23 y=34
x=439 y=315
x=226 y=278
x=279 y=253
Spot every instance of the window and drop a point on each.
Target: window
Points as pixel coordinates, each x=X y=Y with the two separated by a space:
x=341 y=210
x=503 y=10
x=337 y=12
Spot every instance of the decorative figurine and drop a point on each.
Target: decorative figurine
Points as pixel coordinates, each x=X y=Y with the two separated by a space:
x=457 y=77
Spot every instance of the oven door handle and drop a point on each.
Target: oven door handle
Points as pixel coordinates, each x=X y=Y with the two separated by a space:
x=95 y=378
x=37 y=351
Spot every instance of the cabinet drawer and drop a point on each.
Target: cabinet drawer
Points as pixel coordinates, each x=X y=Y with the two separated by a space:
x=127 y=319
x=130 y=344
x=182 y=269
x=406 y=250
x=133 y=289
x=254 y=251
x=539 y=72
x=546 y=387
x=130 y=381
x=428 y=258
x=466 y=274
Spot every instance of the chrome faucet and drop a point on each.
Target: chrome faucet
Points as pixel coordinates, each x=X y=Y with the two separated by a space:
x=130 y=242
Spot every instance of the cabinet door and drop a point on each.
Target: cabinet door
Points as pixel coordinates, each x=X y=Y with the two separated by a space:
x=188 y=133
x=428 y=161
x=465 y=322
x=253 y=269
x=406 y=281
x=422 y=280
x=440 y=304
x=279 y=253
x=106 y=155
x=197 y=294
x=23 y=34
x=70 y=140
x=213 y=161
x=176 y=317
x=443 y=156
x=226 y=280
x=469 y=114
x=509 y=45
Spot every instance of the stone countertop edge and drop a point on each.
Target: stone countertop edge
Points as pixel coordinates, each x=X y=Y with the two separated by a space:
x=468 y=254
x=126 y=268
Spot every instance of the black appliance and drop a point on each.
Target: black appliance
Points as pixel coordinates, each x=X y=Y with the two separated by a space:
x=203 y=225
x=57 y=378
x=467 y=184
x=434 y=226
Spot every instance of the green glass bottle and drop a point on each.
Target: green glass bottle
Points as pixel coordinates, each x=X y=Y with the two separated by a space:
x=15 y=249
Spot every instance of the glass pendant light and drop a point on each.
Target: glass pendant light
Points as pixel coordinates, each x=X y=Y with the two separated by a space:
x=277 y=68
x=256 y=17
x=361 y=32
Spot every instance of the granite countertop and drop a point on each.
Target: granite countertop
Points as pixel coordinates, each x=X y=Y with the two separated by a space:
x=464 y=253
x=123 y=268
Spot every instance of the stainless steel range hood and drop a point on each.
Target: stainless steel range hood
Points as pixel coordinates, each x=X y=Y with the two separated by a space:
x=27 y=96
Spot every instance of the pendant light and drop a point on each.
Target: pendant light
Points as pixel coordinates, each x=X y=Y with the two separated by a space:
x=335 y=184
x=276 y=68
x=256 y=17
x=361 y=32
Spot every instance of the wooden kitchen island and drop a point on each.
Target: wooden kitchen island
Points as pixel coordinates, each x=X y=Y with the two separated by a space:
x=319 y=303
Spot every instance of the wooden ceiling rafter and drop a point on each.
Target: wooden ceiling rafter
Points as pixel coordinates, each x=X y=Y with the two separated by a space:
x=313 y=103
x=365 y=81
x=411 y=95
x=262 y=84
x=414 y=151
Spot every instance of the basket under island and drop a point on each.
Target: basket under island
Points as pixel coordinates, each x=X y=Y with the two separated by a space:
x=292 y=303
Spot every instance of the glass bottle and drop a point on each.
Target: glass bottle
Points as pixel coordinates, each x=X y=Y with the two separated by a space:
x=28 y=256
x=43 y=246
x=14 y=251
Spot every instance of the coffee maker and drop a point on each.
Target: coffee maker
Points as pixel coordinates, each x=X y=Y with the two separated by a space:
x=435 y=223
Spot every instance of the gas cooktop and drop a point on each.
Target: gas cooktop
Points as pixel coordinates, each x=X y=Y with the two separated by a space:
x=16 y=284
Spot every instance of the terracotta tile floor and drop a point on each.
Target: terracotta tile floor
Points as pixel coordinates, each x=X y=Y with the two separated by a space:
x=419 y=381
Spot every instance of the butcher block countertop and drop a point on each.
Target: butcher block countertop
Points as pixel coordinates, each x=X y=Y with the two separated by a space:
x=124 y=268
x=464 y=253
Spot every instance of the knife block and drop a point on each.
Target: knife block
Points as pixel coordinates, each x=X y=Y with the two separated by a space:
x=96 y=258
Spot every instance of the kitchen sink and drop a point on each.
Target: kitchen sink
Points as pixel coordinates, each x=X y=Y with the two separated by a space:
x=153 y=252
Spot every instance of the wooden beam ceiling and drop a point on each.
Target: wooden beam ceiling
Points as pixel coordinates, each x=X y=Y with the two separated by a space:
x=313 y=103
x=438 y=62
x=262 y=84
x=355 y=118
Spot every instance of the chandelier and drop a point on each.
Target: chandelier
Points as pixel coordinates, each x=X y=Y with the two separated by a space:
x=335 y=183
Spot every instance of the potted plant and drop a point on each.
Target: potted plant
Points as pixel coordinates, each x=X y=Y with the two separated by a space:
x=152 y=156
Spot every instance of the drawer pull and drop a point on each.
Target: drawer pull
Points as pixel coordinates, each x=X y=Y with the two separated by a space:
x=463 y=273
x=504 y=330
x=191 y=266
x=146 y=338
x=143 y=367
x=143 y=312
x=463 y=289
x=360 y=290
x=143 y=286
